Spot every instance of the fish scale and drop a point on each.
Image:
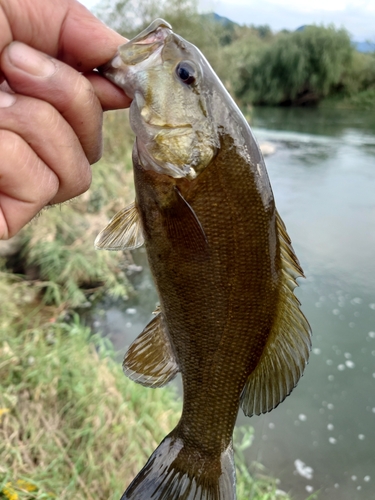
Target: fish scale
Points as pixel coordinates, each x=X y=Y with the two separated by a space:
x=221 y=258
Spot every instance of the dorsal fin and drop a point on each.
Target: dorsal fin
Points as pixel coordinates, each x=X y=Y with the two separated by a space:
x=287 y=351
x=122 y=232
x=150 y=360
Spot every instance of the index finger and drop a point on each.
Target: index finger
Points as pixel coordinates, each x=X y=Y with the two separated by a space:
x=64 y=29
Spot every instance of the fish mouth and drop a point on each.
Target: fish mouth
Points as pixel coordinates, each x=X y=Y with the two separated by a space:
x=139 y=48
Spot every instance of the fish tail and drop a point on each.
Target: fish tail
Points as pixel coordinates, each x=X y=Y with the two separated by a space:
x=176 y=472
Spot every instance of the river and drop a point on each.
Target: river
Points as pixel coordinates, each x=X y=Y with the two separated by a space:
x=322 y=437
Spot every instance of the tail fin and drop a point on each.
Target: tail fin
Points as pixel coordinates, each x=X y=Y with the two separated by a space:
x=174 y=472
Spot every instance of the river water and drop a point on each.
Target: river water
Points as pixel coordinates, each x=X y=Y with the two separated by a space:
x=322 y=437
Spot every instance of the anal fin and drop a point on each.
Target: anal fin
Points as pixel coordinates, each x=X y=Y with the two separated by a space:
x=150 y=360
x=122 y=232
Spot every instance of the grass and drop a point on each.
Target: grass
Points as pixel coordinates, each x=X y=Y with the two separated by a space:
x=72 y=425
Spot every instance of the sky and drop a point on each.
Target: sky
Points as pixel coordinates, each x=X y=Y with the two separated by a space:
x=357 y=16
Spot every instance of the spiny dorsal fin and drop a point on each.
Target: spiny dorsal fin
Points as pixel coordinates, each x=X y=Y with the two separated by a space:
x=287 y=351
x=122 y=232
x=150 y=360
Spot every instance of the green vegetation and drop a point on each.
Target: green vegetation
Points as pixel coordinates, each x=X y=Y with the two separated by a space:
x=257 y=66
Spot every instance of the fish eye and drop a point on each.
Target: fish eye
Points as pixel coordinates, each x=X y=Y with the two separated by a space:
x=186 y=72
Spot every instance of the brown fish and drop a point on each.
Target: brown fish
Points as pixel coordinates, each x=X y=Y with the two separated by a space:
x=221 y=258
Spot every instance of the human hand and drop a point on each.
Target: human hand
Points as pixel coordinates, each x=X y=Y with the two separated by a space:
x=51 y=104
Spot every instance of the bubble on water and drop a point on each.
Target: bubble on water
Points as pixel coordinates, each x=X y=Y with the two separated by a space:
x=330 y=406
x=316 y=350
x=367 y=479
x=373 y=353
x=331 y=378
x=271 y=425
x=373 y=410
x=347 y=355
x=309 y=488
x=336 y=312
x=329 y=362
x=330 y=427
x=356 y=300
x=302 y=417
x=128 y=324
x=131 y=310
x=354 y=478
x=332 y=440
x=359 y=488
x=361 y=437
x=372 y=306
x=373 y=375
x=349 y=363
x=351 y=324
x=318 y=304
x=341 y=367
x=336 y=485
x=303 y=470
x=371 y=335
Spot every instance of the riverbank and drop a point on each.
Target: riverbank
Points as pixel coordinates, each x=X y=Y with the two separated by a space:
x=71 y=425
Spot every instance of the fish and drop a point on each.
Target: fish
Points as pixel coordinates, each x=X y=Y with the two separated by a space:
x=221 y=258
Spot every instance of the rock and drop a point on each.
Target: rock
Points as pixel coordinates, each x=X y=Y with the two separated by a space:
x=267 y=148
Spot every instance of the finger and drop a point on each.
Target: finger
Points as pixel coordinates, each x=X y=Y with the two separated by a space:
x=64 y=29
x=30 y=72
x=52 y=139
x=27 y=184
x=109 y=95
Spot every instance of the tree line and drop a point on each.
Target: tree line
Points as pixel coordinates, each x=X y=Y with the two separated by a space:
x=259 y=66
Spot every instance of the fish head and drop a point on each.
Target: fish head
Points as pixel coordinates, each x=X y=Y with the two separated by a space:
x=170 y=113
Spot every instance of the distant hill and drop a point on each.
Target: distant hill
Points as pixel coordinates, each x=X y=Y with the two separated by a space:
x=219 y=19
x=364 y=46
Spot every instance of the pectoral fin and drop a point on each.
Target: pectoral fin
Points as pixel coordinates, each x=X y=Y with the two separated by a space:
x=122 y=232
x=150 y=360
x=287 y=351
x=184 y=225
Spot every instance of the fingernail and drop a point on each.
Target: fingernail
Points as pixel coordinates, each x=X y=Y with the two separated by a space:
x=6 y=99
x=29 y=60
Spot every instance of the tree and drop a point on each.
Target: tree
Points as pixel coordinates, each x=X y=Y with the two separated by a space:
x=297 y=68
